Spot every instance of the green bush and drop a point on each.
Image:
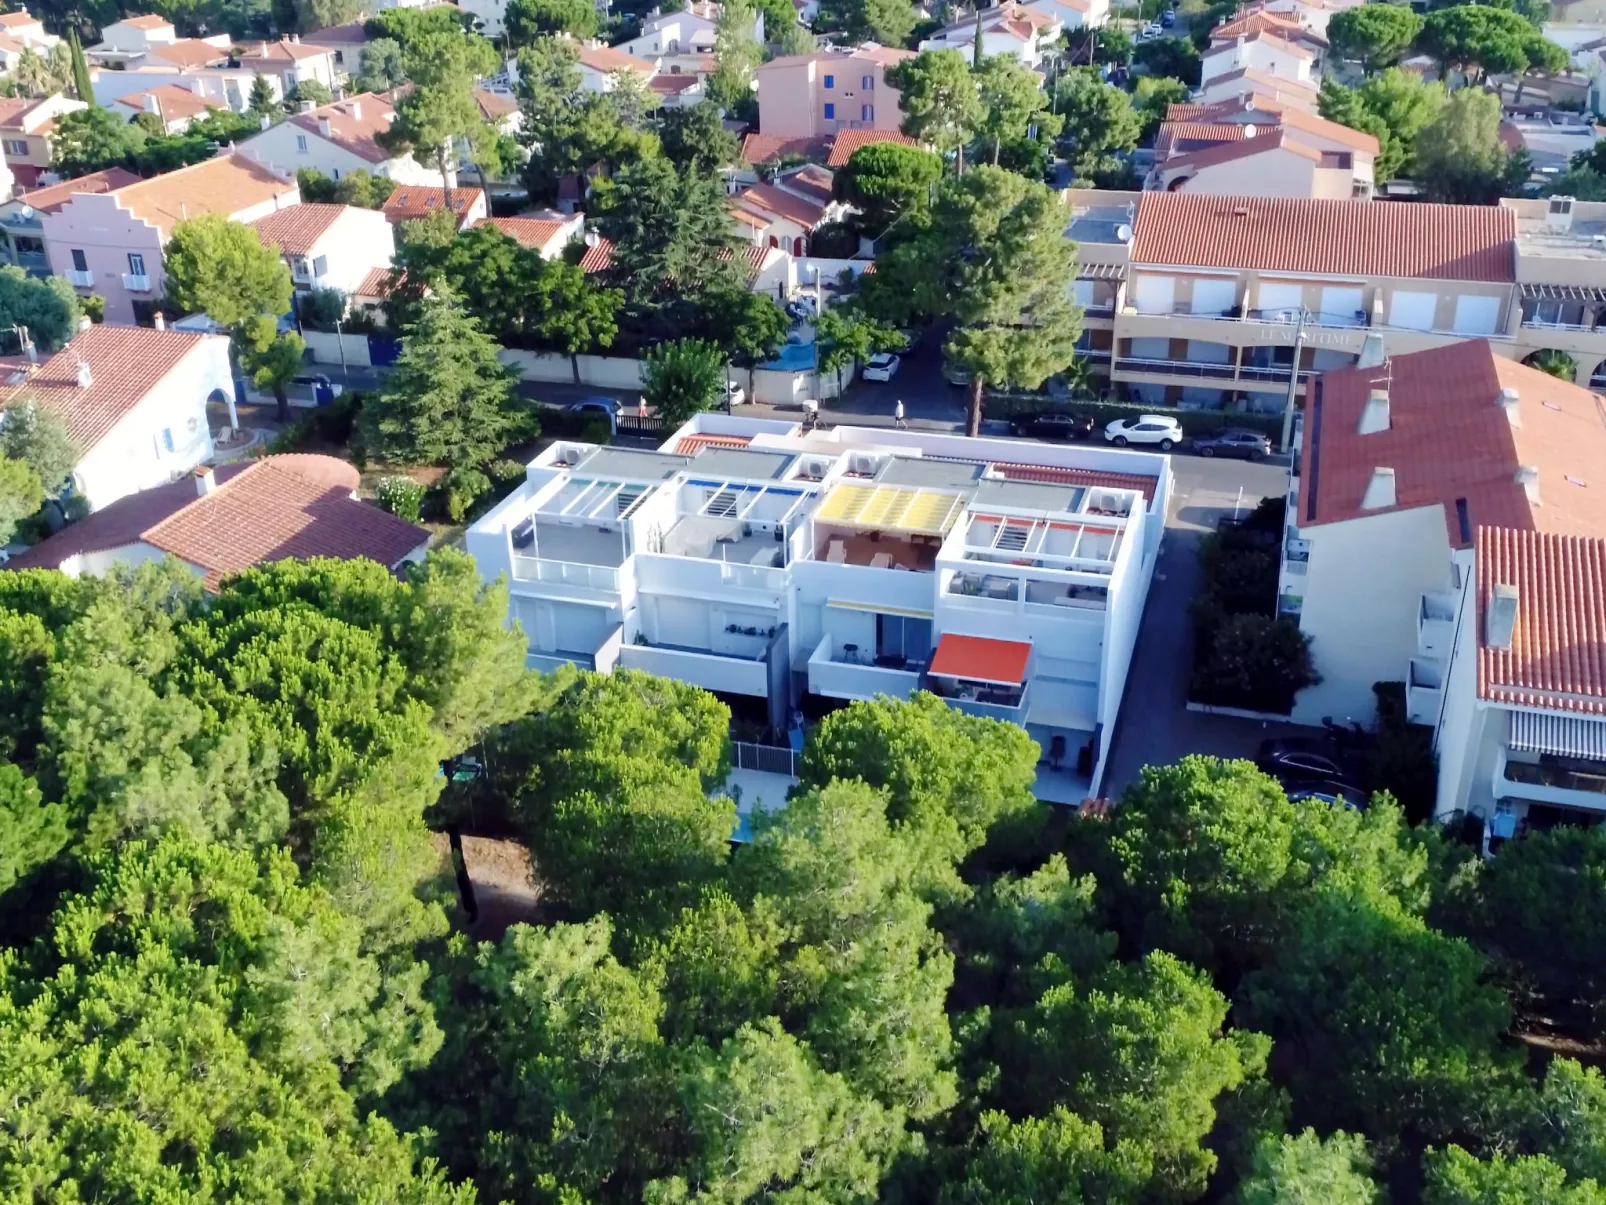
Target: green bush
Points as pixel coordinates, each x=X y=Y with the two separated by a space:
x=402 y=497
x=322 y=308
x=455 y=494
x=294 y=436
x=1402 y=760
x=597 y=431
x=505 y=472
x=336 y=422
x=1254 y=662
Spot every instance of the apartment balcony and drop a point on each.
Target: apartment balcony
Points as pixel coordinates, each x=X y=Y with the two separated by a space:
x=1198 y=369
x=843 y=673
x=990 y=702
x=981 y=676
x=80 y=280
x=1424 y=690
x=1582 y=785
x=592 y=579
x=1435 y=626
x=711 y=671
x=136 y=282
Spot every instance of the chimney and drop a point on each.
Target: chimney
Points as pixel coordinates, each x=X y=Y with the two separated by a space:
x=324 y=128
x=1528 y=478
x=29 y=349
x=205 y=480
x=1500 y=621
x=160 y=320
x=1379 y=490
x=1509 y=399
x=85 y=377
x=1375 y=414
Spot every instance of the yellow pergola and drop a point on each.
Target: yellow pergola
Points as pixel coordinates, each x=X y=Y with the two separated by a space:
x=890 y=508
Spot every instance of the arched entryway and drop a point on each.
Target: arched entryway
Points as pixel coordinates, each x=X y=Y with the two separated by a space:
x=1555 y=362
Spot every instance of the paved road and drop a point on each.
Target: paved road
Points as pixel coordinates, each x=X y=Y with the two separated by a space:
x=1155 y=727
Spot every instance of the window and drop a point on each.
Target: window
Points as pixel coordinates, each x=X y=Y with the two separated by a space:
x=79 y=262
x=866 y=112
x=867 y=83
x=16 y=146
x=830 y=110
x=830 y=81
x=136 y=264
x=334 y=173
x=301 y=144
x=320 y=265
x=167 y=439
x=298 y=267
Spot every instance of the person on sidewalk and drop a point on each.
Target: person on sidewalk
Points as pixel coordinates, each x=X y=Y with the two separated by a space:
x=897 y=416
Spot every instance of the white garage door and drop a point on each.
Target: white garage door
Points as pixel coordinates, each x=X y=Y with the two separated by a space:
x=1413 y=311
x=1476 y=315
x=1211 y=296
x=1154 y=294
x=1341 y=304
x=1276 y=297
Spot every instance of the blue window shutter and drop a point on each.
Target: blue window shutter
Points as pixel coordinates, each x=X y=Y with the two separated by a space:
x=830 y=81
x=830 y=112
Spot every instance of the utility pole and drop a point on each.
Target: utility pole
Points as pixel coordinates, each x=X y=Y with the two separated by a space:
x=1293 y=382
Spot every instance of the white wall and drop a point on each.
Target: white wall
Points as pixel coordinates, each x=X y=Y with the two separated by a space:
x=359 y=241
x=132 y=455
x=326 y=347
x=1363 y=592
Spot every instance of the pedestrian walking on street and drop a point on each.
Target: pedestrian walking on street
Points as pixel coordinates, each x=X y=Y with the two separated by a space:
x=897 y=416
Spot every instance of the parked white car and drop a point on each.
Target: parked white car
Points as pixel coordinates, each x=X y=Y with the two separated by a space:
x=881 y=367
x=1145 y=429
x=734 y=393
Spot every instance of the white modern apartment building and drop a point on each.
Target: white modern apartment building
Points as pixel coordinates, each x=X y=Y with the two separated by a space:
x=754 y=559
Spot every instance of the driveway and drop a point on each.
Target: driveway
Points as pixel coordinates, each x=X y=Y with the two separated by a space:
x=1155 y=727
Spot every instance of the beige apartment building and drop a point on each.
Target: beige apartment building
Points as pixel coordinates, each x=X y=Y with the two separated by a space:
x=1197 y=300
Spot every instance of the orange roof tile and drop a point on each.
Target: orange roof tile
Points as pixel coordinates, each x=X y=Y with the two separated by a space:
x=760 y=148
x=1277 y=140
x=297 y=228
x=670 y=85
x=174 y=103
x=1259 y=22
x=869 y=52
x=767 y=199
x=354 y=124
x=1451 y=444
x=226 y=184
x=1350 y=238
x=1177 y=135
x=1311 y=124
x=848 y=141
x=416 y=201
x=191 y=52
x=1557 y=658
x=598 y=257
x=535 y=233
x=53 y=196
x=606 y=59
x=282 y=51
x=147 y=21
x=1275 y=40
x=1277 y=85
x=126 y=363
x=1053 y=475
x=495 y=106
x=380 y=282
x=687 y=445
x=979 y=659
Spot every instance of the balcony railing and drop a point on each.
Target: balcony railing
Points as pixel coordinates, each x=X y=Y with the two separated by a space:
x=993 y=703
x=841 y=674
x=1181 y=368
x=81 y=280
x=1555 y=777
x=1539 y=324
x=136 y=282
x=592 y=577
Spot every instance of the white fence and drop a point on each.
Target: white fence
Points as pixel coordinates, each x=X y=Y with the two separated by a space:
x=770 y=759
x=769 y=386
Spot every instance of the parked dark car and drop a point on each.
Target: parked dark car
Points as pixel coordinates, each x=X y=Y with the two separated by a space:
x=1053 y=425
x=1302 y=760
x=1233 y=441
x=1330 y=793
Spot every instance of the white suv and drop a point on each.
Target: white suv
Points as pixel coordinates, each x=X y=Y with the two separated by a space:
x=1145 y=429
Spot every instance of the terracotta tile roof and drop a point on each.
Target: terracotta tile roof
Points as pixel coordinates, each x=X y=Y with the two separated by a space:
x=688 y=445
x=226 y=184
x=1067 y=476
x=174 y=103
x=1190 y=135
x=1557 y=658
x=848 y=141
x=1264 y=22
x=1310 y=123
x=53 y=196
x=763 y=199
x=1449 y=440
x=1229 y=152
x=1277 y=85
x=296 y=229
x=191 y=52
x=259 y=510
x=18 y=20
x=813 y=181
x=869 y=52
x=280 y=507
x=535 y=233
x=598 y=257
x=126 y=363
x=353 y=33
x=353 y=124
x=495 y=106
x=147 y=21
x=1276 y=41
x=1349 y=238
x=760 y=148
x=606 y=60
x=12 y=109
x=380 y=282
x=282 y=51
x=417 y=201
x=1191 y=112
x=670 y=85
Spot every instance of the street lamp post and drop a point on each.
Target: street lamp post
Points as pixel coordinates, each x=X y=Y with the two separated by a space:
x=1293 y=381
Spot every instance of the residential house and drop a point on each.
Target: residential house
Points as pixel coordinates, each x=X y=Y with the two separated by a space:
x=134 y=401
x=1259 y=148
x=815 y=95
x=329 y=246
x=682 y=39
x=174 y=105
x=413 y=201
x=675 y=89
x=131 y=38
x=770 y=270
x=754 y=559
x=110 y=242
x=598 y=64
x=1028 y=34
x=23 y=30
x=1245 y=82
x=786 y=213
x=1073 y=14
x=25 y=129
x=337 y=139
x=220 y=521
x=1262 y=51
x=1312 y=14
x=200 y=64
x=22 y=239
x=1195 y=299
x=1286 y=26
x=344 y=44
x=289 y=62
x=546 y=232
x=1560 y=265
x=1521 y=735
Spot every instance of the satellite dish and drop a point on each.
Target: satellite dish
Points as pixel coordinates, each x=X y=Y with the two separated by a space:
x=1124 y=233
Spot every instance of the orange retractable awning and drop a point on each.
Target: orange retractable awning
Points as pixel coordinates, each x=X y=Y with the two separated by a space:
x=981 y=660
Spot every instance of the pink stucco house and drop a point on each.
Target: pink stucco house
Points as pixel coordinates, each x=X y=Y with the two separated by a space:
x=814 y=95
x=110 y=243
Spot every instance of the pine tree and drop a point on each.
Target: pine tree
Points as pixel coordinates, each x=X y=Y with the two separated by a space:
x=263 y=102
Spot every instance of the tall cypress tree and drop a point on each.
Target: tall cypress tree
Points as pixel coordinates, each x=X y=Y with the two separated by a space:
x=80 y=70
